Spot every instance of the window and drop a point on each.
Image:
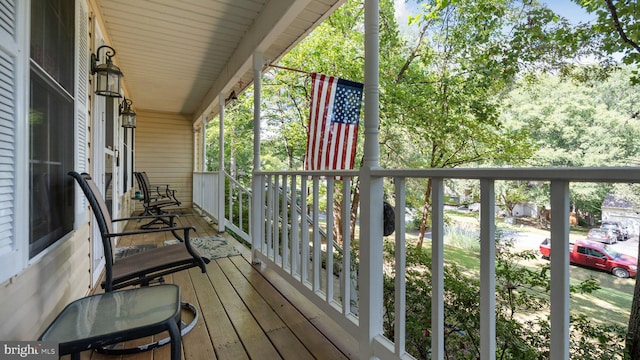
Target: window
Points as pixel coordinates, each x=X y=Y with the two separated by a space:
x=51 y=122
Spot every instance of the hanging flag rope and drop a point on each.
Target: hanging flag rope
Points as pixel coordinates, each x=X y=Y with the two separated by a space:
x=290 y=69
x=334 y=118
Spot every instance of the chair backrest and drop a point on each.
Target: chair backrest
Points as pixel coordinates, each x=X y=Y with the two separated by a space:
x=145 y=177
x=143 y=184
x=101 y=214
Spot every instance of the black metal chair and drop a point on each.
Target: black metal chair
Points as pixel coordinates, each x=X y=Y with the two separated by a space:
x=155 y=202
x=143 y=267
x=162 y=191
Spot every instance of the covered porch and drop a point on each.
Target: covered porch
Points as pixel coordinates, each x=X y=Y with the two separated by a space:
x=245 y=312
x=183 y=61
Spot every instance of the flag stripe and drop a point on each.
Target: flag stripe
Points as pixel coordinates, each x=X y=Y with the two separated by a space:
x=329 y=93
x=333 y=123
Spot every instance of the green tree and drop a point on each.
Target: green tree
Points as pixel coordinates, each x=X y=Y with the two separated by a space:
x=467 y=56
x=580 y=124
x=616 y=29
x=238 y=132
x=511 y=193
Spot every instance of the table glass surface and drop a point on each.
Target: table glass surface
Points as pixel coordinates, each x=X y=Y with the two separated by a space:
x=115 y=311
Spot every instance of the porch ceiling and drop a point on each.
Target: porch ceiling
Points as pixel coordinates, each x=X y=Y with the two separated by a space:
x=178 y=56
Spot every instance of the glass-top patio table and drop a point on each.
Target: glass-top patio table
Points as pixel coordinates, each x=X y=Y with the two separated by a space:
x=109 y=318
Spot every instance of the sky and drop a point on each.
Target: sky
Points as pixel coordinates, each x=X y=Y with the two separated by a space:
x=566 y=8
x=570 y=10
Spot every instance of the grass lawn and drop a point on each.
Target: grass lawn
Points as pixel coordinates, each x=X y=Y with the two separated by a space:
x=610 y=304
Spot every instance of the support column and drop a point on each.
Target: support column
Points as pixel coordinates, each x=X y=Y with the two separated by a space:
x=221 y=173
x=437 y=268
x=560 y=270
x=487 y=270
x=203 y=134
x=257 y=188
x=371 y=261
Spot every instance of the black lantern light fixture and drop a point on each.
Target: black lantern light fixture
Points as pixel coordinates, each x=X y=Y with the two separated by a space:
x=128 y=115
x=108 y=76
x=231 y=98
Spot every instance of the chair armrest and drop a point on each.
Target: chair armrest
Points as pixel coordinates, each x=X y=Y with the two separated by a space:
x=147 y=217
x=186 y=230
x=158 y=188
x=184 y=239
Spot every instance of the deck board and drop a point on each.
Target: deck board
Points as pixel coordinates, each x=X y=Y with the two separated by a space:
x=225 y=341
x=242 y=314
x=287 y=344
x=253 y=338
x=313 y=339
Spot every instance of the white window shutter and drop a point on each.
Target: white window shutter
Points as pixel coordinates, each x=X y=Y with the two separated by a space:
x=82 y=105
x=13 y=124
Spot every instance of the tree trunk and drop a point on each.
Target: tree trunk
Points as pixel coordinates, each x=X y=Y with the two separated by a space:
x=337 y=216
x=632 y=343
x=354 y=209
x=425 y=214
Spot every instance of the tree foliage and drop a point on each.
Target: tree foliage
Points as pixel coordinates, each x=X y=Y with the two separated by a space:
x=615 y=30
x=238 y=131
x=522 y=302
x=578 y=124
x=468 y=55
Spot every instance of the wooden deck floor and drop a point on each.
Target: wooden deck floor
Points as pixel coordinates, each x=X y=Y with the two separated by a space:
x=246 y=312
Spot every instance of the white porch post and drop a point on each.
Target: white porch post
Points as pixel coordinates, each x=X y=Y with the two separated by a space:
x=437 y=269
x=487 y=270
x=221 y=174
x=560 y=270
x=203 y=138
x=371 y=306
x=256 y=181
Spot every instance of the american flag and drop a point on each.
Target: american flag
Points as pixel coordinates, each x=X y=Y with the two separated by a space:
x=333 y=123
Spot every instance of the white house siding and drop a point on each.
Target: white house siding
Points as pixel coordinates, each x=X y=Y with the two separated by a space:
x=34 y=291
x=32 y=299
x=524 y=209
x=164 y=149
x=627 y=217
x=619 y=209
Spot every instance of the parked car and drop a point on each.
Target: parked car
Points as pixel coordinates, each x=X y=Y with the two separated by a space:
x=617 y=228
x=596 y=256
x=606 y=236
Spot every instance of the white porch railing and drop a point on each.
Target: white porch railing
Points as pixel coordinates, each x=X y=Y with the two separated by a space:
x=299 y=251
x=237 y=202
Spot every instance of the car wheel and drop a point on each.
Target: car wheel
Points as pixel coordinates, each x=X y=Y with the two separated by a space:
x=620 y=272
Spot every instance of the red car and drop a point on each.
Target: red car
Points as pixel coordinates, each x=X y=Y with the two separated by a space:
x=597 y=255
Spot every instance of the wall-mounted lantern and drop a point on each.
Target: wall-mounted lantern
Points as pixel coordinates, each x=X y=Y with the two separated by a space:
x=108 y=76
x=128 y=115
x=231 y=98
